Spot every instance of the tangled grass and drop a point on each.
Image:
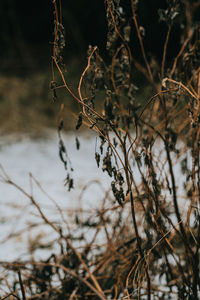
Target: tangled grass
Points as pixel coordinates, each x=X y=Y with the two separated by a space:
x=151 y=239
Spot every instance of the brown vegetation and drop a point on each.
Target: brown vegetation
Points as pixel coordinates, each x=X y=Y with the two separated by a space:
x=151 y=244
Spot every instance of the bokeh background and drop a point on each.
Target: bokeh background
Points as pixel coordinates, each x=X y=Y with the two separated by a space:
x=26 y=37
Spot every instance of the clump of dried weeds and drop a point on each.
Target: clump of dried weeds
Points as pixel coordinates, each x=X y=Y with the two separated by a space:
x=152 y=236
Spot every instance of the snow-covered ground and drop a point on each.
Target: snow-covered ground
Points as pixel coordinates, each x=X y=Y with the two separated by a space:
x=35 y=166
x=23 y=156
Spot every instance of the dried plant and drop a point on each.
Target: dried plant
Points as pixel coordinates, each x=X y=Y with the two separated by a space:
x=151 y=152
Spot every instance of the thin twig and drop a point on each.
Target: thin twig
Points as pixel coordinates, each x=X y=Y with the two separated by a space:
x=21 y=285
x=165 y=51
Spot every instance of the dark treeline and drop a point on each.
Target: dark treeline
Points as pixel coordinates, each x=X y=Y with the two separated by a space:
x=27 y=30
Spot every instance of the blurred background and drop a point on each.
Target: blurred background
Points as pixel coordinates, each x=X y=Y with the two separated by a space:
x=26 y=46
